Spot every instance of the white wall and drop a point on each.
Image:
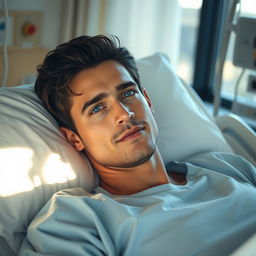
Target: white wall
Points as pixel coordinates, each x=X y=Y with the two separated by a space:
x=51 y=10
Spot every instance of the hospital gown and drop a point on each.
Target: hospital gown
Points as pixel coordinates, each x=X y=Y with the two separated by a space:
x=212 y=214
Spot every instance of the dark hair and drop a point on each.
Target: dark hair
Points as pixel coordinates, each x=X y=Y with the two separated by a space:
x=61 y=65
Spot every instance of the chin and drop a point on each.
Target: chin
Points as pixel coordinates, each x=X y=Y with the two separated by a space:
x=142 y=160
x=137 y=158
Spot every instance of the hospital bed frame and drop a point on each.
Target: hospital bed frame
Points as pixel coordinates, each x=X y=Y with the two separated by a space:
x=238 y=134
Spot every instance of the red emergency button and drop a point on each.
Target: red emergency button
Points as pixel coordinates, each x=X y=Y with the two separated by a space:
x=29 y=29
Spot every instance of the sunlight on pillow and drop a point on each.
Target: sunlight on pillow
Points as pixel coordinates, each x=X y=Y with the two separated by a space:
x=14 y=170
x=56 y=171
x=15 y=167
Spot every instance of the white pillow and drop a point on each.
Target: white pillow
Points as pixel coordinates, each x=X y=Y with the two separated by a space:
x=35 y=161
x=32 y=149
x=184 y=128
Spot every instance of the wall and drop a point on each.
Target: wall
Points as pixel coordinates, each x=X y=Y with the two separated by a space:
x=51 y=11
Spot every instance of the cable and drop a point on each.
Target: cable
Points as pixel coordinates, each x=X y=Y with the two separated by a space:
x=5 y=50
x=233 y=107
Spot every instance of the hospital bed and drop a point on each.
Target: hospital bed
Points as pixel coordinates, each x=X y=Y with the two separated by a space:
x=36 y=161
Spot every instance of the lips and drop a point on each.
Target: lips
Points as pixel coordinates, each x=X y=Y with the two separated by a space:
x=130 y=134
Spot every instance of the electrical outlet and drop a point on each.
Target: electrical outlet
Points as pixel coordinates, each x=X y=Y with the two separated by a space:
x=3 y=29
x=252 y=84
x=28 y=26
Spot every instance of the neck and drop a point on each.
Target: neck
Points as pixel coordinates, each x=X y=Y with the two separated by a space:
x=126 y=181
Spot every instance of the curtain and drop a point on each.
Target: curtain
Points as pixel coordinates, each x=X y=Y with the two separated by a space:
x=73 y=19
x=143 y=26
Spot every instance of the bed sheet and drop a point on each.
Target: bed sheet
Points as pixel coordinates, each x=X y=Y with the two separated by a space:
x=212 y=214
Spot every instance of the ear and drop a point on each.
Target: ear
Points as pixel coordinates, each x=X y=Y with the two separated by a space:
x=148 y=99
x=72 y=138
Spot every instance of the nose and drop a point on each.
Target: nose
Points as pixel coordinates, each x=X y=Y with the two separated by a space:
x=124 y=114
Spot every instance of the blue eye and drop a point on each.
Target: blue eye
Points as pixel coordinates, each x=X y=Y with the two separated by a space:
x=129 y=93
x=96 y=109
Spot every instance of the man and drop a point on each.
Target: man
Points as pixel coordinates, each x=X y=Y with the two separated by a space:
x=92 y=87
x=107 y=113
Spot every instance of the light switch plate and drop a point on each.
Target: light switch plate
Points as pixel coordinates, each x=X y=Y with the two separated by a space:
x=23 y=18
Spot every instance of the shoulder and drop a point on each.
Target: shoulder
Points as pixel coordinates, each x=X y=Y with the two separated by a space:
x=225 y=163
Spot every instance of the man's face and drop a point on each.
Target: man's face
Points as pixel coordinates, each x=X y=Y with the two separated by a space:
x=113 y=117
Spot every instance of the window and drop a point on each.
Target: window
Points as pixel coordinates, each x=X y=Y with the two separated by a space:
x=210 y=43
x=231 y=73
x=190 y=18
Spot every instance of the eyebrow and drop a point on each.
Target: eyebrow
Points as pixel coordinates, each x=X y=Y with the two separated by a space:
x=104 y=95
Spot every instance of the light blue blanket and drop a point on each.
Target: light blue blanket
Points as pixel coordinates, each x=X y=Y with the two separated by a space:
x=212 y=214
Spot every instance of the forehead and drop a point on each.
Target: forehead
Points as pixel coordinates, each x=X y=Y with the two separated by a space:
x=101 y=77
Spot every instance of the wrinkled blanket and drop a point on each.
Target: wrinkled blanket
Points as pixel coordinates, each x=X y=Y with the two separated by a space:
x=213 y=214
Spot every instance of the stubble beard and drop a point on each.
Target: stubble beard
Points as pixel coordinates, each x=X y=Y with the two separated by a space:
x=135 y=159
x=131 y=159
x=128 y=160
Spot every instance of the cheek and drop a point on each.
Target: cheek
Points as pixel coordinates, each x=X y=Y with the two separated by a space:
x=97 y=141
x=93 y=134
x=148 y=115
x=144 y=109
